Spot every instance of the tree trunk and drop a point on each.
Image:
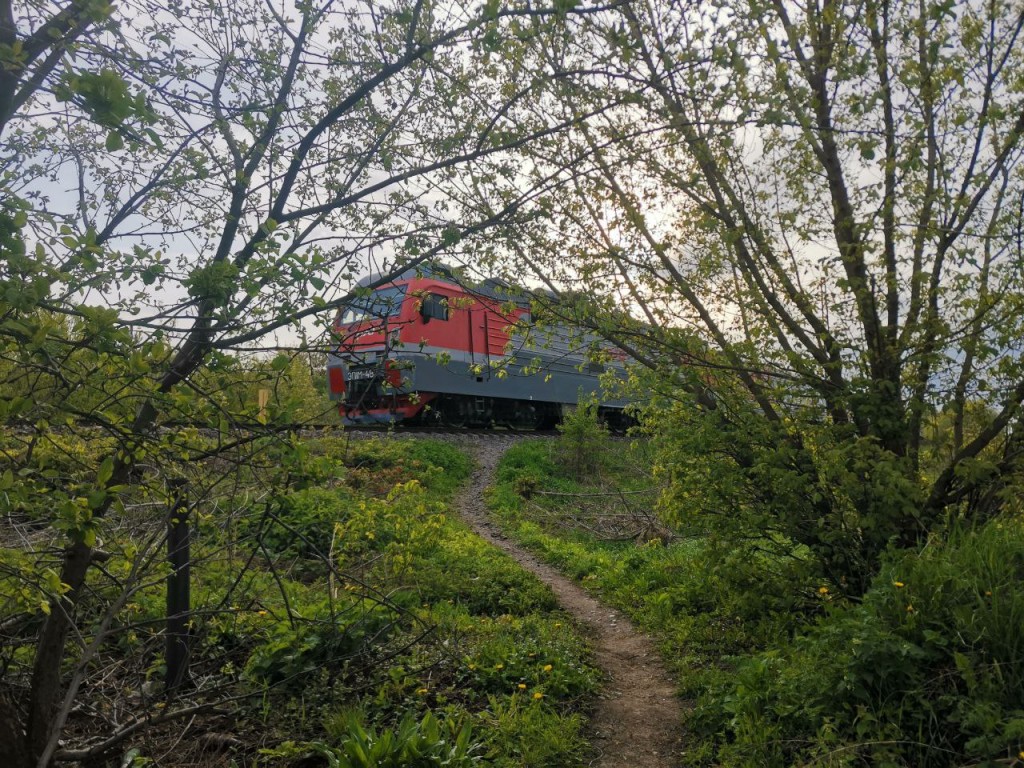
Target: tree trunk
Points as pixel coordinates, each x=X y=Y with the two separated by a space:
x=46 y=672
x=179 y=599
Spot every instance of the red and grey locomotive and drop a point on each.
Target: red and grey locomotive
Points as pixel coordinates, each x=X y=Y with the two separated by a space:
x=428 y=348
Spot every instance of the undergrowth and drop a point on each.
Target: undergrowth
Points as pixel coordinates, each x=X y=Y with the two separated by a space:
x=926 y=669
x=342 y=615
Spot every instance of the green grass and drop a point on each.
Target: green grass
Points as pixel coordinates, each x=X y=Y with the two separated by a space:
x=925 y=670
x=473 y=605
x=669 y=590
x=344 y=609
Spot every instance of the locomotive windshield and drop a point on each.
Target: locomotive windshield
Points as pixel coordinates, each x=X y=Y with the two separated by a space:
x=386 y=302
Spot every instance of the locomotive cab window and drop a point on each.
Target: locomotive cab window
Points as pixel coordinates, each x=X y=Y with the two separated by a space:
x=434 y=307
x=378 y=305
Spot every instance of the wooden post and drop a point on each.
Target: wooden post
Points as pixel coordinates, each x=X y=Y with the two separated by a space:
x=264 y=398
x=179 y=598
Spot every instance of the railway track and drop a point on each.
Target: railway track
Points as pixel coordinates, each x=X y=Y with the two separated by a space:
x=303 y=428
x=433 y=430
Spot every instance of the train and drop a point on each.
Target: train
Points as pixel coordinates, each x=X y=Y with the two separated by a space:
x=431 y=348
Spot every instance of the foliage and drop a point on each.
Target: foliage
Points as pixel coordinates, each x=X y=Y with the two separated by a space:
x=312 y=594
x=335 y=633
x=163 y=206
x=815 y=492
x=708 y=597
x=926 y=670
x=583 y=439
x=812 y=223
x=422 y=744
x=456 y=569
x=532 y=735
x=814 y=209
x=923 y=670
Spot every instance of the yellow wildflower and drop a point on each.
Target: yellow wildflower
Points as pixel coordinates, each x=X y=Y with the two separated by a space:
x=521 y=686
x=261 y=613
x=421 y=690
x=537 y=696
x=548 y=667
x=499 y=666
x=910 y=609
x=822 y=590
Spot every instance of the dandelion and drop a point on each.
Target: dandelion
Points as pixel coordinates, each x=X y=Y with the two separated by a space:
x=548 y=667
x=910 y=609
x=558 y=624
x=499 y=666
x=421 y=691
x=899 y=584
x=988 y=593
x=537 y=696
x=822 y=590
x=521 y=686
x=261 y=613
x=472 y=667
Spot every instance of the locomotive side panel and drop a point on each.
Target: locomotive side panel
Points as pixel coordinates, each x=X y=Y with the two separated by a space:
x=446 y=350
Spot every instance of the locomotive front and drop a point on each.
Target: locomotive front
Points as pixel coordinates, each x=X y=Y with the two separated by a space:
x=365 y=372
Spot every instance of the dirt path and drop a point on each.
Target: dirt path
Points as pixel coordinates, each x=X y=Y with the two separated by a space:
x=637 y=720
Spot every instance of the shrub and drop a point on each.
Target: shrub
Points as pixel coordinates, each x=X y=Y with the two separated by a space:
x=927 y=670
x=584 y=440
x=307 y=520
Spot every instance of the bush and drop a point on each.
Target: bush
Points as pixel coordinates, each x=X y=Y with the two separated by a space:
x=927 y=670
x=583 y=443
x=310 y=516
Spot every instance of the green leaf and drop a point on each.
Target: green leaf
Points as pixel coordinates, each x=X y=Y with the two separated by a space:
x=114 y=141
x=106 y=470
x=451 y=235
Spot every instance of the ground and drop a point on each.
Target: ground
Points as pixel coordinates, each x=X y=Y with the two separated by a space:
x=637 y=721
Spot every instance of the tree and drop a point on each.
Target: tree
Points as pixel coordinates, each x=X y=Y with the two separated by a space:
x=35 y=41
x=821 y=204
x=217 y=173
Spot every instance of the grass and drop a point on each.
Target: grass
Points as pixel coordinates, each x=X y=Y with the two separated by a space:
x=341 y=608
x=924 y=670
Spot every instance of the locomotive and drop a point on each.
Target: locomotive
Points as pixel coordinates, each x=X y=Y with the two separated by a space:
x=429 y=348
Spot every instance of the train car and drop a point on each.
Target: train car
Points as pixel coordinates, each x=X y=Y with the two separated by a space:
x=428 y=348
